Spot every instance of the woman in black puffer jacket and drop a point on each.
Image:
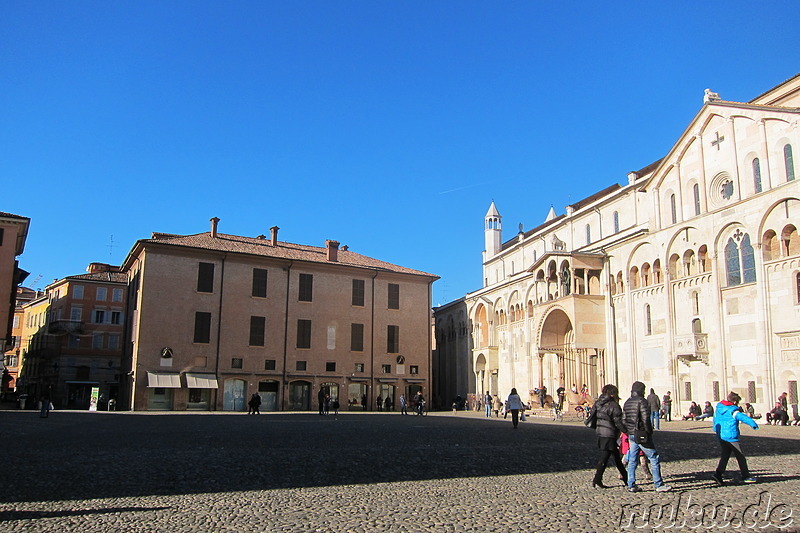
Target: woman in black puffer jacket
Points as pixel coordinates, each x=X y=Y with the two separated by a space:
x=609 y=427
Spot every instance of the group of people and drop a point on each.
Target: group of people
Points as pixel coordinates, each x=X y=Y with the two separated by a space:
x=631 y=426
x=779 y=415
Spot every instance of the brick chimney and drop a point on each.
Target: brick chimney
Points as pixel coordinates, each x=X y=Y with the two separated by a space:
x=333 y=250
x=214 y=222
x=274 y=235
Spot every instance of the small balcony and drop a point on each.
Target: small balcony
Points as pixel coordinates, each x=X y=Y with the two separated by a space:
x=66 y=327
x=691 y=348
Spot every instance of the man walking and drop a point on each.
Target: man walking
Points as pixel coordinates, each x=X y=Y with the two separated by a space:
x=655 y=409
x=667 y=403
x=639 y=427
x=726 y=426
x=487 y=400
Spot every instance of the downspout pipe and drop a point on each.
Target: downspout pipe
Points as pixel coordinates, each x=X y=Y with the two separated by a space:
x=219 y=321
x=286 y=335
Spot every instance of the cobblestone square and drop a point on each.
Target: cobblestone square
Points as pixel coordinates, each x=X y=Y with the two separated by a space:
x=361 y=472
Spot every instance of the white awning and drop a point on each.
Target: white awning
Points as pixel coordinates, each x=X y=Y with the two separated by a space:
x=195 y=380
x=164 y=380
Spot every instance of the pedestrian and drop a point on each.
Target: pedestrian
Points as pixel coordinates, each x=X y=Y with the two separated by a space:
x=561 y=392
x=388 y=403
x=44 y=410
x=542 y=396
x=364 y=402
x=487 y=399
x=327 y=409
x=254 y=404
x=379 y=403
x=321 y=401
x=639 y=428
x=497 y=404
x=655 y=409
x=726 y=426
x=514 y=404
x=609 y=428
x=335 y=405
x=403 y=405
x=666 y=405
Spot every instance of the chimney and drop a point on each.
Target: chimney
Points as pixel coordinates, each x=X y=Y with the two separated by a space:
x=333 y=250
x=274 y=235
x=214 y=222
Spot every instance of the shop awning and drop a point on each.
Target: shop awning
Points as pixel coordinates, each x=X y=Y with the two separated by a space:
x=196 y=380
x=387 y=380
x=415 y=380
x=164 y=380
x=359 y=379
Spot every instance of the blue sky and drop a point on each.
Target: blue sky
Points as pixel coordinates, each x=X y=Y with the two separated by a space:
x=388 y=126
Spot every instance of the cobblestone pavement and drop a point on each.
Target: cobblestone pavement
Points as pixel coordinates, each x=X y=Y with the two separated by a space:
x=364 y=472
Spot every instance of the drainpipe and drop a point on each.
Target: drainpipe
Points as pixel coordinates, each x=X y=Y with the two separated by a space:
x=372 y=345
x=219 y=321
x=284 y=383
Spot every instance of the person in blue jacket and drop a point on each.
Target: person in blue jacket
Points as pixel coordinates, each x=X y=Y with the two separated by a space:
x=726 y=425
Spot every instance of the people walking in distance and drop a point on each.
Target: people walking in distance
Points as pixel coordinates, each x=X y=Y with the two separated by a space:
x=321 y=400
x=335 y=406
x=655 y=409
x=379 y=403
x=487 y=400
x=609 y=427
x=419 y=402
x=708 y=411
x=666 y=405
x=403 y=405
x=364 y=402
x=560 y=392
x=514 y=403
x=254 y=404
x=542 y=396
x=498 y=405
x=726 y=426
x=44 y=410
x=327 y=409
x=639 y=428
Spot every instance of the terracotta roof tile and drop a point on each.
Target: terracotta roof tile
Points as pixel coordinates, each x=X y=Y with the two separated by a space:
x=283 y=250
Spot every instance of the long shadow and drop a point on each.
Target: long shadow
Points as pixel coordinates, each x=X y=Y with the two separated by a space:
x=83 y=456
x=7 y=516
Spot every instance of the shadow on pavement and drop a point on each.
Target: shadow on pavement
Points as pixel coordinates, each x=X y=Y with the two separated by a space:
x=79 y=456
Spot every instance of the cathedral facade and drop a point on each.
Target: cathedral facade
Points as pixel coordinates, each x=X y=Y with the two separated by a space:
x=686 y=277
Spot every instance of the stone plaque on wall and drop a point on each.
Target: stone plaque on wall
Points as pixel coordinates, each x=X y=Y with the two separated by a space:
x=790 y=347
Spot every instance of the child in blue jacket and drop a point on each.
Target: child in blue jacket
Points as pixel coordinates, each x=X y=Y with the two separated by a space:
x=726 y=425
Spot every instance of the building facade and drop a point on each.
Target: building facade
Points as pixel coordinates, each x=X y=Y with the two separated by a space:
x=13 y=234
x=14 y=346
x=216 y=318
x=72 y=338
x=687 y=277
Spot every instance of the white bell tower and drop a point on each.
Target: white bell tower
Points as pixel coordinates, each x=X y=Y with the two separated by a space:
x=493 y=232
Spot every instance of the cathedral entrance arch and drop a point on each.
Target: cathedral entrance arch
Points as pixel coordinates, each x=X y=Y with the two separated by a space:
x=563 y=362
x=481 y=374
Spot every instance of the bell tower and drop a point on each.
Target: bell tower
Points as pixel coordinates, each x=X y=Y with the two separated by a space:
x=493 y=232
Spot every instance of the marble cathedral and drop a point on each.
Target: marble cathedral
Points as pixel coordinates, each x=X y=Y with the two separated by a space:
x=686 y=277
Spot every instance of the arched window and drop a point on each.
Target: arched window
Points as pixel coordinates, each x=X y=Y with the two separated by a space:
x=634 y=278
x=674 y=266
x=689 y=263
x=657 y=271
x=695 y=303
x=696 y=193
x=616 y=218
x=648 y=323
x=620 y=283
x=697 y=326
x=702 y=259
x=770 y=246
x=791 y=240
x=646 y=275
x=588 y=234
x=788 y=162
x=797 y=286
x=673 y=208
x=740 y=261
x=756 y=175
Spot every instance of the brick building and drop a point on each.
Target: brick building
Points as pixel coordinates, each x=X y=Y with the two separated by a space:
x=216 y=318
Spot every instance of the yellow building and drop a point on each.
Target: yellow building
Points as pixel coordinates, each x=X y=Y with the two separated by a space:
x=216 y=318
x=72 y=338
x=13 y=233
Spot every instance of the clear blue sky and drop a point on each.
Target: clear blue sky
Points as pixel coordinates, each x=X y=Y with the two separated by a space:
x=388 y=126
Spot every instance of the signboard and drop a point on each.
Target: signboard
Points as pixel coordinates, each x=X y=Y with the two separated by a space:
x=93 y=398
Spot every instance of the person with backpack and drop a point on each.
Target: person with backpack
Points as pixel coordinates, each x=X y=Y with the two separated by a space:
x=726 y=426
x=639 y=428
